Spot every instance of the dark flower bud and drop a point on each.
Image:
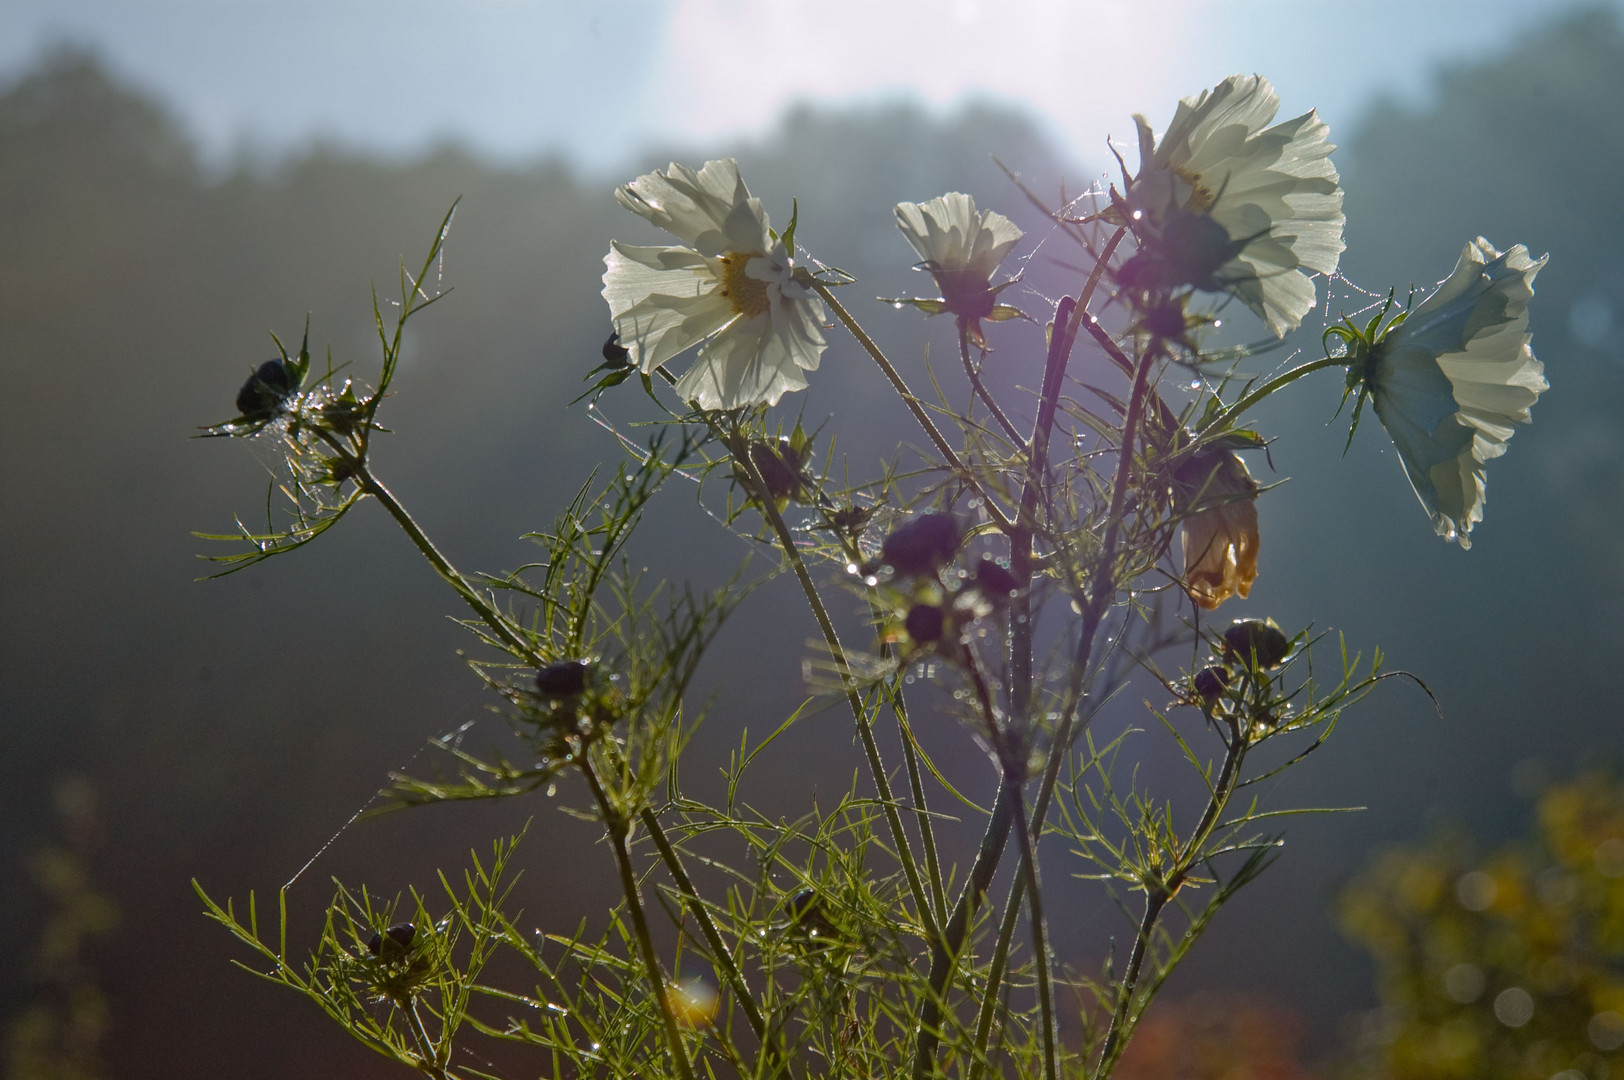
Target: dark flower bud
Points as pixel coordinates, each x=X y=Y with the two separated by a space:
x=615 y=356
x=265 y=390
x=1190 y=249
x=781 y=467
x=393 y=942
x=1166 y=320
x=851 y=519
x=924 y=623
x=994 y=580
x=806 y=913
x=564 y=678
x=923 y=545
x=1255 y=641
x=1209 y=683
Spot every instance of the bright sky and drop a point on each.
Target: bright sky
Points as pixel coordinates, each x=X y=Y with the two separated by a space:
x=597 y=79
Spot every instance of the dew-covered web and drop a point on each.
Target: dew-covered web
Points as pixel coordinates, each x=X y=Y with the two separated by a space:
x=451 y=740
x=696 y=476
x=288 y=453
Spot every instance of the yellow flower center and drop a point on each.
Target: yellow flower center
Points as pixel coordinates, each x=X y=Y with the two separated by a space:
x=1201 y=196
x=747 y=294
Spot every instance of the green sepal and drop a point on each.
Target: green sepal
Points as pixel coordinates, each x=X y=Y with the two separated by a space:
x=614 y=378
x=789 y=230
x=929 y=307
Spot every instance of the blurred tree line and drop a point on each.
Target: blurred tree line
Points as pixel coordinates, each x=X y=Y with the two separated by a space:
x=230 y=729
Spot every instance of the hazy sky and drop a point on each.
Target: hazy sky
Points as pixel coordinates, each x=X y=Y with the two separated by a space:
x=514 y=78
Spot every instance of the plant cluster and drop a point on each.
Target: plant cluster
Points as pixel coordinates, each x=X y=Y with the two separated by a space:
x=1031 y=562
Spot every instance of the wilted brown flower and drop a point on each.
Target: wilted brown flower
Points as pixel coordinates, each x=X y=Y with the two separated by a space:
x=1217 y=498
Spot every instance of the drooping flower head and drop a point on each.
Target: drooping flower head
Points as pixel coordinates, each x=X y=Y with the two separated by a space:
x=1450 y=379
x=731 y=286
x=1217 y=498
x=962 y=247
x=1223 y=203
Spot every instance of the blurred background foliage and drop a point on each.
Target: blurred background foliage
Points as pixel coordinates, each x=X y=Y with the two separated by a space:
x=228 y=730
x=1500 y=964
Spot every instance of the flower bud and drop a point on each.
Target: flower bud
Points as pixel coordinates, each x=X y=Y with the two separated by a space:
x=1258 y=642
x=392 y=943
x=616 y=357
x=1209 y=683
x=265 y=390
x=994 y=581
x=923 y=545
x=925 y=623
x=563 y=678
x=782 y=468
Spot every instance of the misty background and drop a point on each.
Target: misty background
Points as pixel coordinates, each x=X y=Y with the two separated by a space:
x=229 y=729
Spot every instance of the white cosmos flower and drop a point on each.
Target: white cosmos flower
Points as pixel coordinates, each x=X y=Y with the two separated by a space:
x=1450 y=379
x=731 y=286
x=962 y=247
x=1273 y=190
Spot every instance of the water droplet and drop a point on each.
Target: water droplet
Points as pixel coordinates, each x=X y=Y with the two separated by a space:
x=908 y=678
x=552 y=789
x=851 y=568
x=898 y=304
x=1216 y=323
x=871 y=581
x=1138 y=215
x=1195 y=384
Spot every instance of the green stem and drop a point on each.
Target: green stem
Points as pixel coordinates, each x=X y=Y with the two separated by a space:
x=1157 y=895
x=374 y=487
x=425 y=1046
x=1154 y=902
x=916 y=787
x=945 y=951
x=723 y=957
x=949 y=456
x=976 y=386
x=995 y=976
x=1283 y=379
x=1040 y=944
x=865 y=729
x=500 y=626
x=617 y=829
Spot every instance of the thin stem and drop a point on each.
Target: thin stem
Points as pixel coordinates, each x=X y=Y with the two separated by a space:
x=865 y=730
x=949 y=456
x=916 y=788
x=972 y=373
x=1283 y=379
x=425 y=1046
x=1157 y=895
x=945 y=951
x=617 y=828
x=1040 y=945
x=995 y=976
x=1154 y=902
x=1006 y=810
x=492 y=618
x=723 y=957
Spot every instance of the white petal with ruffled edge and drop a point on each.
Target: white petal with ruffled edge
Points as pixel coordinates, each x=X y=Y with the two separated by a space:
x=1451 y=382
x=1274 y=189
x=951 y=235
x=664 y=300
x=711 y=210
